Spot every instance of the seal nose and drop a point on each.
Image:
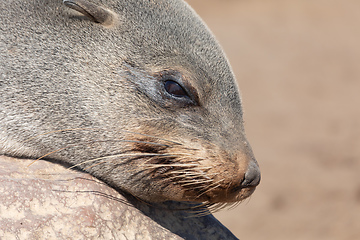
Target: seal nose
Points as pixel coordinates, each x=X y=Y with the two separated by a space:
x=252 y=176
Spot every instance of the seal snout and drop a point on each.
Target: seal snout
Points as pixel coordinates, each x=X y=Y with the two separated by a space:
x=252 y=176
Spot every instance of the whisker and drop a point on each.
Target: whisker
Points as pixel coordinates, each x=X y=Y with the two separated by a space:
x=234 y=205
x=192 y=157
x=227 y=188
x=96 y=141
x=169 y=165
x=96 y=164
x=179 y=177
x=202 y=213
x=200 y=210
x=217 y=207
x=191 y=170
x=118 y=155
x=193 y=182
x=43 y=156
x=206 y=208
x=214 y=207
x=98 y=193
x=189 y=176
x=198 y=196
x=205 y=204
x=210 y=188
x=186 y=176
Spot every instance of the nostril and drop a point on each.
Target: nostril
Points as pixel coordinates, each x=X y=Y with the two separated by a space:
x=252 y=176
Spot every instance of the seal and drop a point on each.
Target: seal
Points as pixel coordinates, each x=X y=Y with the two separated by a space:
x=137 y=93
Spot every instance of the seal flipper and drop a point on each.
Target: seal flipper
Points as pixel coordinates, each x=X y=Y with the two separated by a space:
x=94 y=12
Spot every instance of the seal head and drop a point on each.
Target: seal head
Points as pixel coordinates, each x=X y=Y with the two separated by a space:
x=137 y=93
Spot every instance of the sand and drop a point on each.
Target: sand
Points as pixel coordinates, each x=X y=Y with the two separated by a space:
x=298 y=67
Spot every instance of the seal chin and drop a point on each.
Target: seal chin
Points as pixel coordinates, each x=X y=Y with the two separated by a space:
x=241 y=195
x=226 y=195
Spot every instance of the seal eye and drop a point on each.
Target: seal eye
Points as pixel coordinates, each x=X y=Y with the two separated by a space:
x=175 y=89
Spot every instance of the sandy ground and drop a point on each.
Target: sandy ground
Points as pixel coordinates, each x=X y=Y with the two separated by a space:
x=298 y=66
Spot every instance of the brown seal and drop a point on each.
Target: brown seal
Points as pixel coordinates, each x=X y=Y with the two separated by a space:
x=137 y=93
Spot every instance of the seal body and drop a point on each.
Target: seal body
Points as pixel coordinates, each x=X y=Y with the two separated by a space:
x=137 y=93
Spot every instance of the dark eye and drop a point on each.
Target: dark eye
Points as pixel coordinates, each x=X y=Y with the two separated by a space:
x=174 y=89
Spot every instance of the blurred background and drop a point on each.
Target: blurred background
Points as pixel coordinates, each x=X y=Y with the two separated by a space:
x=298 y=67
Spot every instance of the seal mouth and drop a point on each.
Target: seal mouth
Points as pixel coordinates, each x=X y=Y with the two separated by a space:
x=179 y=173
x=220 y=194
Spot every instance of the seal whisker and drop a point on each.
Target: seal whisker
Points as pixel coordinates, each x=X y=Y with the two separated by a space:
x=119 y=155
x=187 y=183
x=201 y=213
x=100 y=141
x=227 y=188
x=181 y=177
x=196 y=183
x=217 y=206
x=93 y=165
x=200 y=210
x=229 y=206
x=45 y=155
x=189 y=175
x=204 y=204
x=211 y=187
x=191 y=171
x=233 y=205
x=170 y=165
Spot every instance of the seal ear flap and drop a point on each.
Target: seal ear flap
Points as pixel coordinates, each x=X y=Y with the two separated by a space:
x=94 y=12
